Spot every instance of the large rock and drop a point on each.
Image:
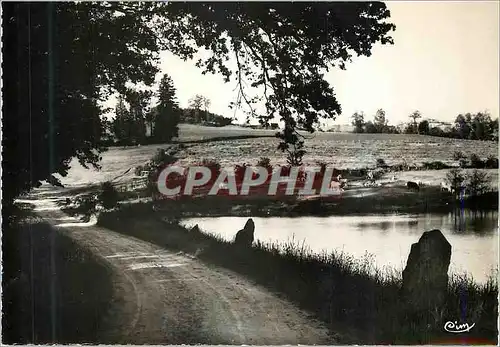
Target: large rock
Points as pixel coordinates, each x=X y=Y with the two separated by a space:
x=245 y=237
x=425 y=278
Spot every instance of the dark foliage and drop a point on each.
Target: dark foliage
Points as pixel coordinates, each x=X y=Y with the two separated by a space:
x=129 y=125
x=108 y=197
x=280 y=49
x=381 y=163
x=62 y=58
x=54 y=300
x=59 y=60
x=491 y=162
x=423 y=127
x=435 y=165
x=358 y=122
x=166 y=113
x=189 y=115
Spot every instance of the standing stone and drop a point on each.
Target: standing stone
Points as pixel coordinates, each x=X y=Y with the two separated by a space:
x=245 y=237
x=425 y=278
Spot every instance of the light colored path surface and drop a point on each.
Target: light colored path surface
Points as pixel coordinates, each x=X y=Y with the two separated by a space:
x=163 y=297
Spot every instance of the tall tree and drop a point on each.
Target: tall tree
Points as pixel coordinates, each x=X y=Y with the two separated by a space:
x=480 y=127
x=65 y=57
x=494 y=130
x=380 y=121
x=167 y=115
x=60 y=59
x=139 y=107
x=150 y=121
x=108 y=136
x=282 y=49
x=358 y=121
x=206 y=106
x=463 y=126
x=196 y=104
x=121 y=122
x=415 y=115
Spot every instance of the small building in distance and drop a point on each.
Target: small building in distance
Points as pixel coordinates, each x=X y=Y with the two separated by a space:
x=434 y=123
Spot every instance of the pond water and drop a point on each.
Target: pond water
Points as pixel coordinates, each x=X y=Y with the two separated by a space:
x=473 y=237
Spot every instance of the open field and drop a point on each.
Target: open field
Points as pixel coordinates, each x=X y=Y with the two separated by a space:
x=341 y=150
x=345 y=150
x=192 y=132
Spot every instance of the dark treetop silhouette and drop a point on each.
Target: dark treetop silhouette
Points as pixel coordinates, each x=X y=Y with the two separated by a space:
x=60 y=59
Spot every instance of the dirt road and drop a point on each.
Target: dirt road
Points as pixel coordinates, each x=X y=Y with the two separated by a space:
x=162 y=297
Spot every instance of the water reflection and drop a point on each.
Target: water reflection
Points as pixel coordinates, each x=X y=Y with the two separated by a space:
x=480 y=224
x=473 y=236
x=475 y=221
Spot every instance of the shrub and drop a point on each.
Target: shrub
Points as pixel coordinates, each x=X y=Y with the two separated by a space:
x=457 y=155
x=377 y=174
x=86 y=204
x=239 y=172
x=108 y=197
x=461 y=158
x=161 y=158
x=264 y=162
x=477 y=183
x=398 y=167
x=381 y=163
x=435 y=165
x=491 y=162
x=455 y=178
x=476 y=162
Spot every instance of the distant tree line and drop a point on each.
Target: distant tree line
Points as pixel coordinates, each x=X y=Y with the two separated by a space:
x=479 y=126
x=379 y=124
x=131 y=125
x=198 y=113
x=141 y=123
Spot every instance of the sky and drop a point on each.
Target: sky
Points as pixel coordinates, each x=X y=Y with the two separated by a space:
x=444 y=61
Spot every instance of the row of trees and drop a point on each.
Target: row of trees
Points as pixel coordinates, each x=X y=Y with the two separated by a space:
x=130 y=125
x=198 y=113
x=478 y=126
x=378 y=125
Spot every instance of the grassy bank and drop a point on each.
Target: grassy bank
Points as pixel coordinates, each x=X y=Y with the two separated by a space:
x=49 y=291
x=361 y=303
